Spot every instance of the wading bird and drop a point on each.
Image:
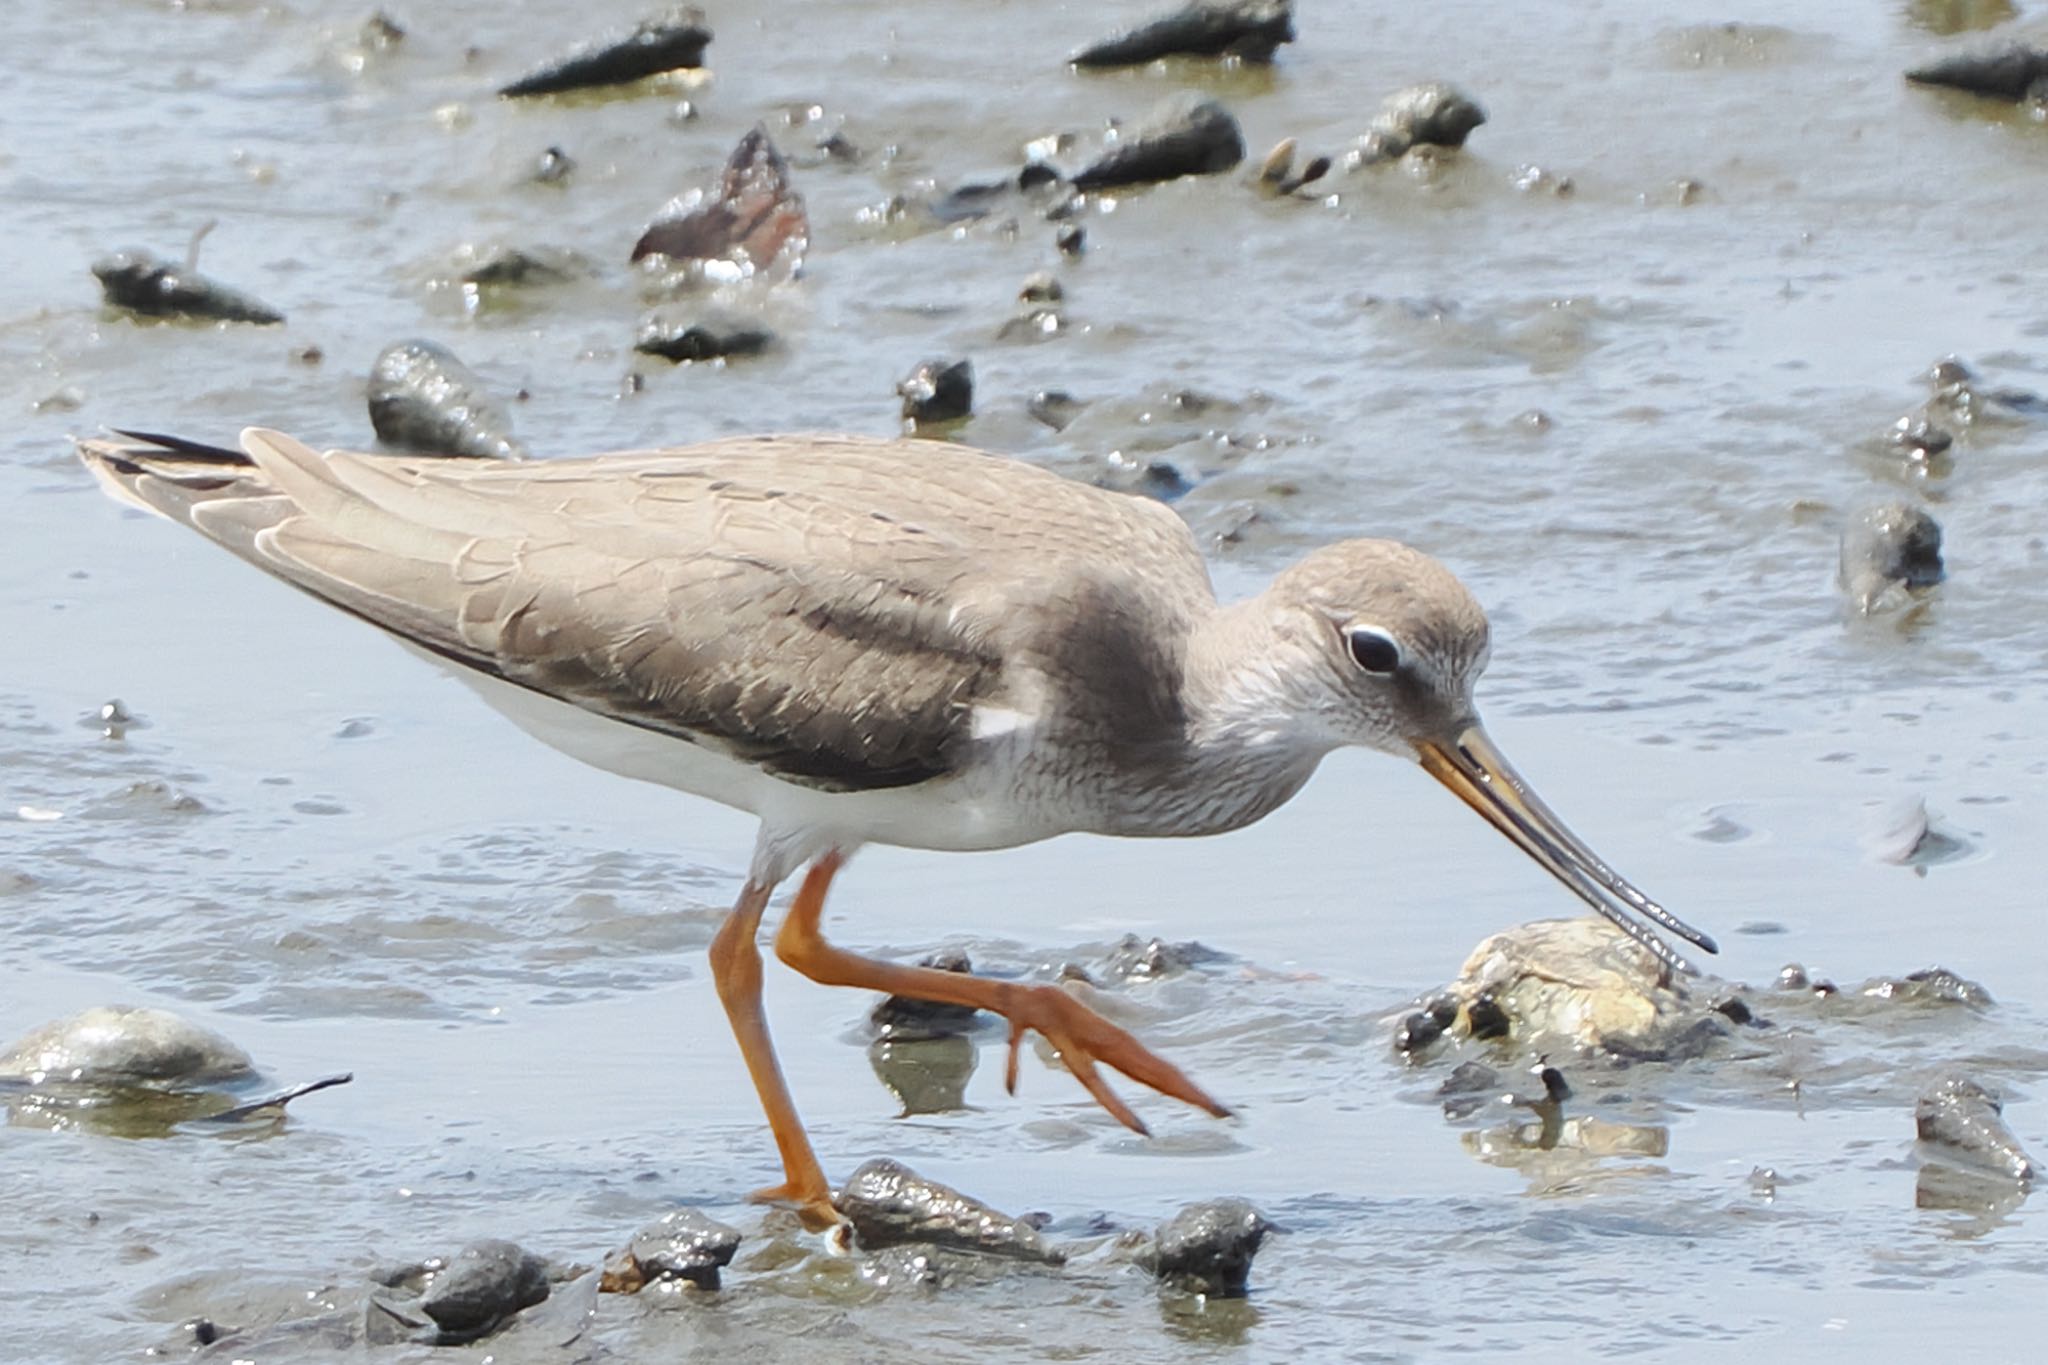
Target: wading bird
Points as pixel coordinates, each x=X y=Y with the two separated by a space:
x=882 y=641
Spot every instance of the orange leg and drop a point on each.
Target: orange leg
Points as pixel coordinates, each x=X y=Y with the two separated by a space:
x=736 y=968
x=1080 y=1035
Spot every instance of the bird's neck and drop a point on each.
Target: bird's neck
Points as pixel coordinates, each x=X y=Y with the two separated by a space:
x=1244 y=749
x=1244 y=696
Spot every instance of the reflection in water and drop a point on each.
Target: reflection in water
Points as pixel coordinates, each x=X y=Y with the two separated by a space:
x=1198 y=1318
x=1988 y=1200
x=927 y=1075
x=1555 y=1152
x=1948 y=17
x=142 y=1111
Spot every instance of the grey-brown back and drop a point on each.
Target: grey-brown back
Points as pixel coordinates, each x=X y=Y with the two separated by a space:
x=831 y=608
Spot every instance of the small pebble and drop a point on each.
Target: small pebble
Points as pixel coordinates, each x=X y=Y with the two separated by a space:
x=938 y=391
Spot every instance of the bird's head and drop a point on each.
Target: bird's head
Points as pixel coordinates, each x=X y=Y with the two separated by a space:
x=1394 y=644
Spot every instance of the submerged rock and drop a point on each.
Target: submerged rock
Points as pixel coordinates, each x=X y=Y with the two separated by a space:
x=1918 y=437
x=682 y=1245
x=899 y=1018
x=1208 y=1248
x=938 y=391
x=143 y=284
x=672 y=41
x=481 y=1288
x=1929 y=986
x=1056 y=408
x=1435 y=114
x=1415 y=1032
x=552 y=167
x=706 y=338
x=754 y=221
x=1036 y=186
x=1580 y=983
x=2013 y=71
x=1185 y=134
x=135 y=1072
x=1960 y=1121
x=1246 y=29
x=889 y=1204
x=1893 y=546
x=424 y=399
x=1137 y=959
x=125 y=1043
x=500 y=267
x=1961 y=399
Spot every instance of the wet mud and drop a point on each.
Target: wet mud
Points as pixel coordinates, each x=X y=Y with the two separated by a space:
x=1632 y=376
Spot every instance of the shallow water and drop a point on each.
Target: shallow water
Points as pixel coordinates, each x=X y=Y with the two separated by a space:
x=331 y=853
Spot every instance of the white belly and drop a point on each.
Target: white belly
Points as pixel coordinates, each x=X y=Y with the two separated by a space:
x=965 y=812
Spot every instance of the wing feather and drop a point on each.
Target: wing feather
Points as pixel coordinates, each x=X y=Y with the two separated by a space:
x=830 y=607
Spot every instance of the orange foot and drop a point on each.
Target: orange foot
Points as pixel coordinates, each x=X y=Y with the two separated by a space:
x=813 y=1206
x=1082 y=1038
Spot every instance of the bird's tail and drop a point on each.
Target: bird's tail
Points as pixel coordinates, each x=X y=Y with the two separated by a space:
x=219 y=492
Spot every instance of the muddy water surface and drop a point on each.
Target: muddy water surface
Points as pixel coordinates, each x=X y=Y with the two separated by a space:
x=1633 y=416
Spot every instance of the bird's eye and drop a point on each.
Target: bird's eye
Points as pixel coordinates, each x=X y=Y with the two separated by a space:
x=1373 y=650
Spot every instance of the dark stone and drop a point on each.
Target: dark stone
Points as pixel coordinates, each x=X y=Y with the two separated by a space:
x=900 y=1019
x=754 y=220
x=680 y=1245
x=483 y=1285
x=381 y=31
x=938 y=391
x=1469 y=1078
x=1208 y=1248
x=1037 y=184
x=1036 y=175
x=1246 y=29
x=1041 y=287
x=1735 y=1010
x=1055 y=407
x=706 y=339
x=1556 y=1089
x=1417 y=1031
x=140 y=283
x=2010 y=72
x=553 y=167
x=673 y=41
x=889 y=1204
x=511 y=267
x=1185 y=134
x=1071 y=239
x=1485 y=1018
x=1894 y=544
x=1963 y=1122
x=423 y=399
x=973 y=199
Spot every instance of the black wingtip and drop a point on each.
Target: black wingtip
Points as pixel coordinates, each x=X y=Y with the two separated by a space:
x=179 y=445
